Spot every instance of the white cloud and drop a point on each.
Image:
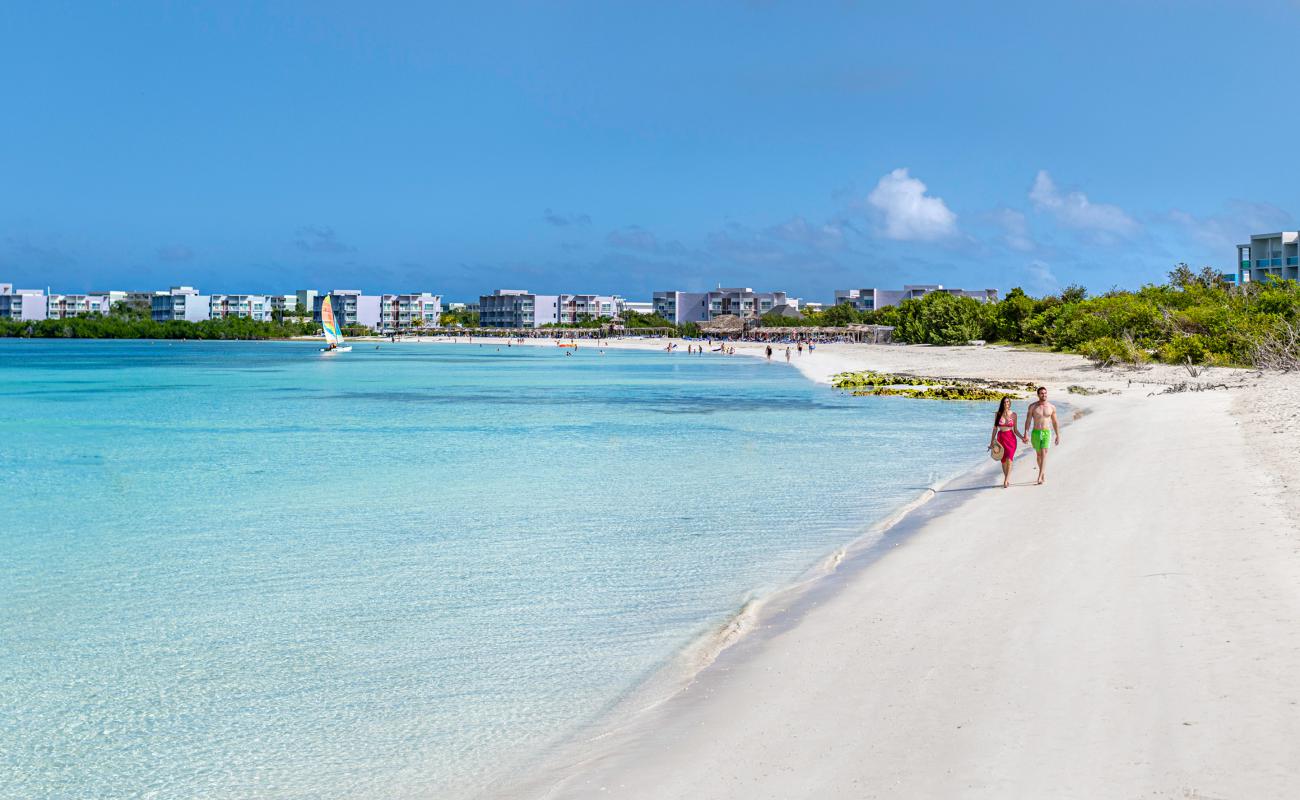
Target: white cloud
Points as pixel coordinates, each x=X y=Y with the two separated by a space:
x=1075 y=210
x=798 y=230
x=1040 y=278
x=1234 y=225
x=908 y=214
x=1015 y=230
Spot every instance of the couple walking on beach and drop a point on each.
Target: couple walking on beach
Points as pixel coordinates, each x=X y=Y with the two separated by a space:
x=1041 y=415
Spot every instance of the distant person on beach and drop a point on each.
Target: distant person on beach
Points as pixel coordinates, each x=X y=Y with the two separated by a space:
x=769 y=352
x=787 y=354
x=1004 y=434
x=1040 y=415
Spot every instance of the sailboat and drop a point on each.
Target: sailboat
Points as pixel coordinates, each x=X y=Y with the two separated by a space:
x=333 y=333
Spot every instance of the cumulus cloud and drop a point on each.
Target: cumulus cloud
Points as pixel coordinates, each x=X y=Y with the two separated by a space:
x=175 y=253
x=312 y=239
x=565 y=220
x=1075 y=210
x=907 y=213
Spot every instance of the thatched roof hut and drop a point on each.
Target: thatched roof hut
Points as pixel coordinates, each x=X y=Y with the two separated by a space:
x=723 y=325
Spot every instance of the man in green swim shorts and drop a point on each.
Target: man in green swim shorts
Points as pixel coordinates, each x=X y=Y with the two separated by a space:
x=1041 y=414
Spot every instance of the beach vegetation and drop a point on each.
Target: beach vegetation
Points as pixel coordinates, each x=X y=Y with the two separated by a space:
x=920 y=387
x=459 y=317
x=136 y=325
x=635 y=319
x=933 y=393
x=1196 y=317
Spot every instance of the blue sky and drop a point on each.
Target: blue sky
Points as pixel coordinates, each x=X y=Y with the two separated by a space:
x=624 y=147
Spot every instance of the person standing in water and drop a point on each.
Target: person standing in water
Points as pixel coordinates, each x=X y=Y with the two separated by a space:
x=1041 y=415
x=1004 y=433
x=769 y=352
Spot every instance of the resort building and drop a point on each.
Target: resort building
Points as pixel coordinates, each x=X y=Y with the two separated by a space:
x=517 y=308
x=399 y=312
x=638 y=306
x=62 y=306
x=1269 y=254
x=256 y=307
x=180 y=302
x=351 y=307
x=681 y=307
x=872 y=299
x=26 y=304
x=307 y=299
x=135 y=301
x=574 y=308
x=284 y=303
x=744 y=302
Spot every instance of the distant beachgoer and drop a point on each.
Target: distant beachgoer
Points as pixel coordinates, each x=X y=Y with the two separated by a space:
x=787 y=354
x=769 y=352
x=1040 y=415
x=1004 y=433
x=800 y=348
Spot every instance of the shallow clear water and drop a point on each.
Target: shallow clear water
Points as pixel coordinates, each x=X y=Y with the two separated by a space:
x=233 y=570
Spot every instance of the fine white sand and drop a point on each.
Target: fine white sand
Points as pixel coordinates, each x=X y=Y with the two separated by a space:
x=1129 y=629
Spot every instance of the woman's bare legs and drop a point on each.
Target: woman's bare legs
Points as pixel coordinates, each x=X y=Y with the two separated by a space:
x=1006 y=472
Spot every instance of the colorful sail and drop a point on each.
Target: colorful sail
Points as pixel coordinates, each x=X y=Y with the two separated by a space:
x=333 y=333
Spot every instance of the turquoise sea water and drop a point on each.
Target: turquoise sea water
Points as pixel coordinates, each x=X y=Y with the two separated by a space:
x=234 y=570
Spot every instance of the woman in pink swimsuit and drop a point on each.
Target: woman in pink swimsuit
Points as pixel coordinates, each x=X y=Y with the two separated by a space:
x=1004 y=433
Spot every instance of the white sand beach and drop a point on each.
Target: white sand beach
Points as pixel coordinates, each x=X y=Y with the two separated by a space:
x=1129 y=629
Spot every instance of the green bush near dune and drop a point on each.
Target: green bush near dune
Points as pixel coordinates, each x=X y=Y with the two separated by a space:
x=1195 y=317
x=137 y=326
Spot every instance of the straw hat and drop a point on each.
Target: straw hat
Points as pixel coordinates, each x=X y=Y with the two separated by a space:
x=996 y=452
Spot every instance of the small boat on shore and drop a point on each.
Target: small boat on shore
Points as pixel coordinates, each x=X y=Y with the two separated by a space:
x=333 y=333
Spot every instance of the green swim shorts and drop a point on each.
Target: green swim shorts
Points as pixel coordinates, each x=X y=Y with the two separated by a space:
x=1040 y=438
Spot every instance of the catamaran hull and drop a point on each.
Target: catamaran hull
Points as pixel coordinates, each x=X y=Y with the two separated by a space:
x=329 y=351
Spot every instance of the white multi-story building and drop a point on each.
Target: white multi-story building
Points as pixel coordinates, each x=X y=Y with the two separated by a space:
x=872 y=299
x=351 y=307
x=574 y=308
x=744 y=302
x=180 y=303
x=256 y=307
x=681 y=307
x=136 y=301
x=284 y=303
x=517 y=308
x=639 y=306
x=25 y=304
x=1268 y=254
x=62 y=306
x=307 y=298
x=399 y=312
